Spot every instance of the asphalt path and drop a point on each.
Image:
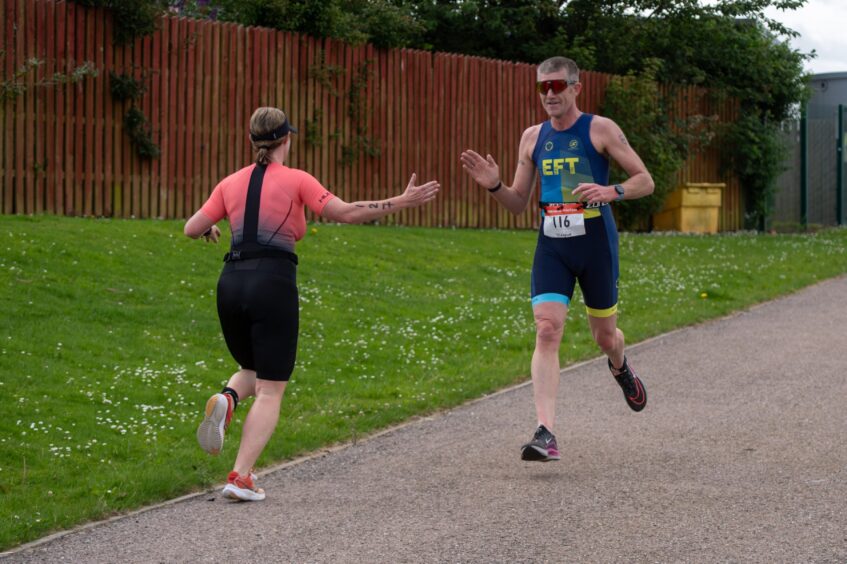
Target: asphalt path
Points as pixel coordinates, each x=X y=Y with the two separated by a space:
x=740 y=456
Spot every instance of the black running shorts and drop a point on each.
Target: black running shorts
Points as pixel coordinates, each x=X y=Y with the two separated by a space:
x=259 y=310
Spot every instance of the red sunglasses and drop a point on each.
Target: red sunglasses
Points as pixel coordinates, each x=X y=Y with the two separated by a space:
x=556 y=86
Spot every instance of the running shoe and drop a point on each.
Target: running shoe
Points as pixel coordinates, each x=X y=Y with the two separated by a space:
x=210 y=433
x=243 y=488
x=633 y=390
x=542 y=447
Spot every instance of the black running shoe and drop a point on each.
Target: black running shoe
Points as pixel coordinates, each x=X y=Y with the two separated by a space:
x=542 y=447
x=633 y=390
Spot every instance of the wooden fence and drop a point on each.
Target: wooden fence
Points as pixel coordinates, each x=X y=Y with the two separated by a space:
x=368 y=118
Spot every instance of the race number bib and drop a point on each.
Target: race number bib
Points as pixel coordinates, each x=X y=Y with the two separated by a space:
x=564 y=220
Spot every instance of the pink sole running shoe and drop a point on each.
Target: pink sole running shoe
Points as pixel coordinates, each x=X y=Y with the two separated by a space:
x=633 y=389
x=210 y=433
x=542 y=447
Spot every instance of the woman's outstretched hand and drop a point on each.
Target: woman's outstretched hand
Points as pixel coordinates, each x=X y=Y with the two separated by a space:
x=415 y=196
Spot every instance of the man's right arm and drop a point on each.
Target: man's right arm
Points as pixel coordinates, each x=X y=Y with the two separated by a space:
x=516 y=197
x=486 y=172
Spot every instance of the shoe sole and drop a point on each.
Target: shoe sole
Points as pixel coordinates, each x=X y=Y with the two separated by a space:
x=210 y=433
x=535 y=454
x=643 y=394
x=232 y=491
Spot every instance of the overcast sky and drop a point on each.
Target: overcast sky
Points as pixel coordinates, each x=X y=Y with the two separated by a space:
x=821 y=24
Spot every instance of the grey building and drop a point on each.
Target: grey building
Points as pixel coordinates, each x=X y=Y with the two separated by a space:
x=828 y=90
x=824 y=165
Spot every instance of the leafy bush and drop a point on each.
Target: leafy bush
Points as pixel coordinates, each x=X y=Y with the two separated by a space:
x=16 y=84
x=138 y=129
x=132 y=18
x=758 y=165
x=124 y=87
x=636 y=105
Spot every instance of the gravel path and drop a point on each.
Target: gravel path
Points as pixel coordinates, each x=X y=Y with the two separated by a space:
x=740 y=456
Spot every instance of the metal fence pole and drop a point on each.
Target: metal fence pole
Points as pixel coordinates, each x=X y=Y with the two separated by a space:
x=804 y=167
x=839 y=169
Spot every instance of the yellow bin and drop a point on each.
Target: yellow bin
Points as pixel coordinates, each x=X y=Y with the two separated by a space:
x=691 y=208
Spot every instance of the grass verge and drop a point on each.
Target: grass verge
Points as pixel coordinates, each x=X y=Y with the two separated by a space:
x=110 y=345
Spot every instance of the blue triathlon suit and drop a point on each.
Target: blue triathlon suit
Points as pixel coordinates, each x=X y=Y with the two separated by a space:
x=564 y=159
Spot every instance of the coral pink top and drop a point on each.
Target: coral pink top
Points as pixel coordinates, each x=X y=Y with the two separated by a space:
x=282 y=219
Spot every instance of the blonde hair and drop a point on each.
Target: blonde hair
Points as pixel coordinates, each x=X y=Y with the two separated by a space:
x=263 y=121
x=555 y=64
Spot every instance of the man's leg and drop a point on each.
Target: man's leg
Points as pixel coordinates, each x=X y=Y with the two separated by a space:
x=610 y=339
x=549 y=327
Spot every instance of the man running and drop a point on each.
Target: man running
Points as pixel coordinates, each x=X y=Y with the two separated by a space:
x=577 y=239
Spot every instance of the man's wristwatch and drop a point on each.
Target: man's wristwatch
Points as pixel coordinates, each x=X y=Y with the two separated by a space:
x=619 y=190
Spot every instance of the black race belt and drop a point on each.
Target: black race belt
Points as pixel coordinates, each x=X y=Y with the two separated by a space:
x=237 y=255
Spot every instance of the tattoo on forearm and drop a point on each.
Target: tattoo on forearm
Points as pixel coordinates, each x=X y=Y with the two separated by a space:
x=623 y=139
x=386 y=205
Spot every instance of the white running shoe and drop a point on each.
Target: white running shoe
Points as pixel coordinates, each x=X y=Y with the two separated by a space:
x=210 y=433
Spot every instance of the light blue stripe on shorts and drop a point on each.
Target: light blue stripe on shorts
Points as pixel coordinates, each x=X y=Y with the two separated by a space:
x=542 y=298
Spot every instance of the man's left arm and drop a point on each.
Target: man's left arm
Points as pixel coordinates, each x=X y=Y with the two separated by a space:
x=639 y=183
x=609 y=139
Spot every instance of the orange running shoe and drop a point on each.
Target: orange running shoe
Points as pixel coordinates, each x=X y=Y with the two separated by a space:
x=243 y=488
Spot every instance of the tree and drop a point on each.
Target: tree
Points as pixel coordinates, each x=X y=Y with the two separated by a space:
x=640 y=111
x=520 y=30
x=729 y=47
x=133 y=18
x=383 y=23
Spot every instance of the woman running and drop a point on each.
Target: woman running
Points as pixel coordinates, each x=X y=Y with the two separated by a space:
x=257 y=296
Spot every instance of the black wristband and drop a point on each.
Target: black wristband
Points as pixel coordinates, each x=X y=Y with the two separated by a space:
x=499 y=185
